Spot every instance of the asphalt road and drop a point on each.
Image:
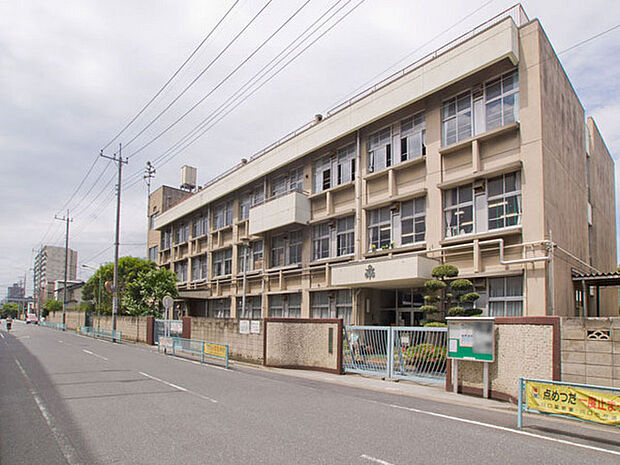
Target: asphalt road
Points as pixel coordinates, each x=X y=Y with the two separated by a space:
x=71 y=399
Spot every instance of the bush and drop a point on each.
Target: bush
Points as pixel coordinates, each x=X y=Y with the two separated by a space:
x=460 y=311
x=434 y=324
x=445 y=271
x=426 y=353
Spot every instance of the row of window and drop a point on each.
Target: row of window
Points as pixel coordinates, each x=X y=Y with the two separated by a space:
x=323 y=304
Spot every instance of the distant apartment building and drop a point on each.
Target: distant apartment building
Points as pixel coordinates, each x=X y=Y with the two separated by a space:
x=16 y=292
x=49 y=266
x=74 y=292
x=479 y=155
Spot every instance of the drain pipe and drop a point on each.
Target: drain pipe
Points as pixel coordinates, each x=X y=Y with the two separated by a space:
x=500 y=242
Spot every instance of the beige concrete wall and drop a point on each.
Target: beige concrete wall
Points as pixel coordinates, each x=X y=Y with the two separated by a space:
x=132 y=328
x=246 y=347
x=73 y=318
x=521 y=350
x=303 y=344
x=591 y=351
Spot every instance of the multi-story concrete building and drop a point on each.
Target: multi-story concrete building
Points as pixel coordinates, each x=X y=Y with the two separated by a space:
x=160 y=200
x=478 y=155
x=49 y=266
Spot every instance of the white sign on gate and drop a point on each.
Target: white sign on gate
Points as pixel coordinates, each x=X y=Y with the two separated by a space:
x=176 y=327
x=165 y=342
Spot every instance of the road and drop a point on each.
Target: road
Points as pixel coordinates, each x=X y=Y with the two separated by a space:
x=65 y=398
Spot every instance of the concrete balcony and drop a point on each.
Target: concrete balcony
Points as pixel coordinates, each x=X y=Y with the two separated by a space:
x=406 y=270
x=287 y=209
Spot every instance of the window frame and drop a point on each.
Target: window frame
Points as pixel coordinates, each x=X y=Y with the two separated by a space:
x=504 y=299
x=375 y=150
x=415 y=221
x=418 y=128
x=379 y=226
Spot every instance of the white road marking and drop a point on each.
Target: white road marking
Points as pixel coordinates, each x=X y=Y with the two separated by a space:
x=60 y=341
x=93 y=354
x=373 y=459
x=2 y=335
x=65 y=446
x=176 y=386
x=22 y=337
x=509 y=430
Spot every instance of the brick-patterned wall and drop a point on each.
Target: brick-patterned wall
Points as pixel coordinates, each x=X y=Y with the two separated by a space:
x=246 y=347
x=132 y=328
x=73 y=318
x=591 y=351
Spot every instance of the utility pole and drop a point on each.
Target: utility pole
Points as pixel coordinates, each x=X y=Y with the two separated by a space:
x=149 y=173
x=120 y=162
x=68 y=220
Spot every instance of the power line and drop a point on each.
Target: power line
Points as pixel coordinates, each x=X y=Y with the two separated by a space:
x=199 y=74
x=158 y=93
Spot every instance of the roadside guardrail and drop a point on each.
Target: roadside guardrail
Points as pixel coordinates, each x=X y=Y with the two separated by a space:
x=204 y=349
x=112 y=335
x=598 y=404
x=49 y=324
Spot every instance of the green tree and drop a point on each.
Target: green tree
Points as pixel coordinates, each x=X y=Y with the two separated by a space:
x=446 y=295
x=129 y=268
x=51 y=305
x=10 y=309
x=143 y=296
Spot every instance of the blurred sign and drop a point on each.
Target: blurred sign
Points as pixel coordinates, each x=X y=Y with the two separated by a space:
x=244 y=327
x=167 y=301
x=215 y=350
x=255 y=327
x=471 y=338
x=165 y=342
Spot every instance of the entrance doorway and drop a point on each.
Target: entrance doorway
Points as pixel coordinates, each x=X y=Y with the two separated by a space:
x=400 y=307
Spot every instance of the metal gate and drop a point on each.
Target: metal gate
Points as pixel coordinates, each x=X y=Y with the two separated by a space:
x=173 y=328
x=407 y=352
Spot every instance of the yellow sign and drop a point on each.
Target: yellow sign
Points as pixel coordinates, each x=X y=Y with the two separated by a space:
x=215 y=350
x=573 y=401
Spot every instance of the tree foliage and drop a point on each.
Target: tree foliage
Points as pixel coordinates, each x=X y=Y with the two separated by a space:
x=447 y=297
x=51 y=305
x=129 y=268
x=10 y=309
x=144 y=294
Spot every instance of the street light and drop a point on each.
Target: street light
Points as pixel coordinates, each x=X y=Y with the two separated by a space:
x=98 y=294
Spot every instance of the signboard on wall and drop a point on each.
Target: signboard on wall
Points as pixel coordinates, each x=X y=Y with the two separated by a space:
x=471 y=338
x=244 y=326
x=255 y=327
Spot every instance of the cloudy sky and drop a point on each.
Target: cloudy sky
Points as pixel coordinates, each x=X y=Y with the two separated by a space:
x=73 y=73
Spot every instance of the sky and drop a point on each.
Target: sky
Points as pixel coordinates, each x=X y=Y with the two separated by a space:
x=74 y=73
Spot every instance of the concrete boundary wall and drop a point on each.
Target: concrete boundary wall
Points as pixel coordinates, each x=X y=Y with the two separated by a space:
x=524 y=347
x=309 y=344
x=244 y=347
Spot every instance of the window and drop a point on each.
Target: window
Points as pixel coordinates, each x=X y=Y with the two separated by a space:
x=504 y=200
x=330 y=304
x=152 y=220
x=380 y=228
x=289 y=182
x=413 y=221
x=485 y=205
x=285 y=305
x=253 y=307
x=456 y=118
x=412 y=137
x=286 y=249
x=322 y=174
x=458 y=210
x=180 y=268
x=254 y=256
x=166 y=239
x=200 y=226
x=219 y=308
x=181 y=234
x=294 y=248
x=244 y=206
x=345 y=236
x=502 y=100
x=277 y=251
x=380 y=150
x=222 y=215
x=222 y=262
x=506 y=296
x=278 y=186
x=199 y=268
x=296 y=180
x=345 y=164
x=320 y=241
x=153 y=255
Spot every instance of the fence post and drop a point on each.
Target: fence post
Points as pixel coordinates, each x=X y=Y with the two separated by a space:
x=227 y=356
x=520 y=410
x=202 y=353
x=150 y=330
x=390 y=354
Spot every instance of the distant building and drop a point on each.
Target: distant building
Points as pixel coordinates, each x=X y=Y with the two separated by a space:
x=74 y=292
x=479 y=155
x=49 y=266
x=16 y=292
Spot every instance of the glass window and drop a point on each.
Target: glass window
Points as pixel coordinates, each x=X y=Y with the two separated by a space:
x=458 y=210
x=413 y=221
x=244 y=206
x=380 y=228
x=277 y=251
x=222 y=262
x=506 y=296
x=319 y=304
x=152 y=220
x=153 y=255
x=181 y=234
x=322 y=174
x=285 y=305
x=412 y=137
x=456 y=118
x=321 y=234
x=380 y=150
x=253 y=306
x=254 y=254
x=344 y=306
x=504 y=200
x=166 y=239
x=330 y=304
x=502 y=100
x=295 y=244
x=296 y=180
x=345 y=236
x=222 y=215
x=220 y=308
x=200 y=226
x=345 y=164
x=180 y=268
x=199 y=268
